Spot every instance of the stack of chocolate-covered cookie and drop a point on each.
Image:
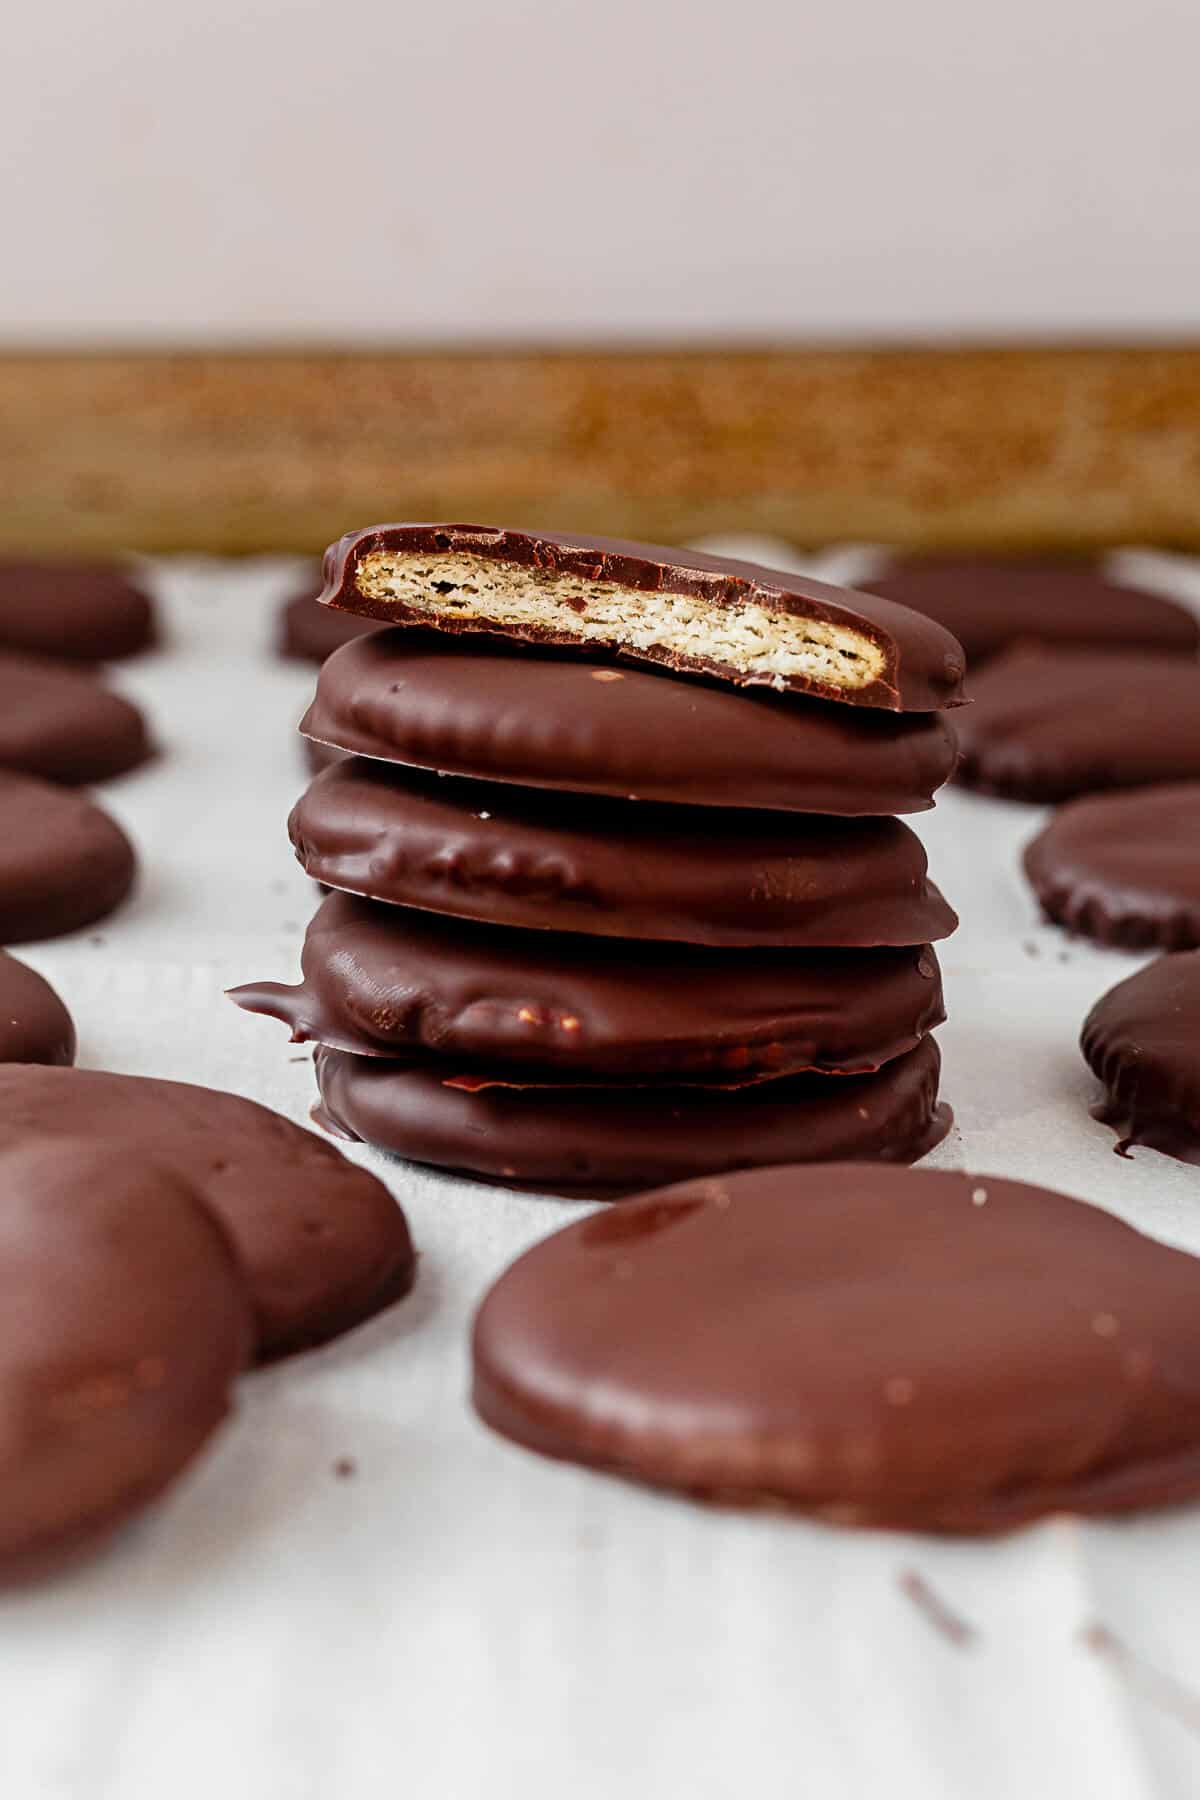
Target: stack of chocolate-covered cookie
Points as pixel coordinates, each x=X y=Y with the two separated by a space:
x=618 y=893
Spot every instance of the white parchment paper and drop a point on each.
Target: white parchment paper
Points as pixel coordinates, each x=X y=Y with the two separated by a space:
x=459 y=1618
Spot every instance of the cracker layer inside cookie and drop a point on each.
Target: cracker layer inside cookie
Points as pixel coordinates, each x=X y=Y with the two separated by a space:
x=760 y=642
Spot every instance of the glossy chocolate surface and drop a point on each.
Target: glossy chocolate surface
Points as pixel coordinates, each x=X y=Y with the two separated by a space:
x=1050 y=726
x=546 y=861
x=1123 y=868
x=323 y=1245
x=923 y=664
x=388 y=980
x=1142 y=1040
x=920 y=1349
x=573 y=1138
x=469 y=706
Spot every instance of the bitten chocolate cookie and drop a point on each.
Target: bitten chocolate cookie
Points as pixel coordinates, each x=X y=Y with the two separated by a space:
x=65 y=726
x=574 y=1138
x=469 y=706
x=322 y=1243
x=546 y=861
x=1123 y=868
x=35 y=1026
x=124 y=1321
x=63 y=862
x=916 y=1349
x=1143 y=1042
x=82 y=612
x=309 y=632
x=678 y=608
x=385 y=980
x=991 y=606
x=1049 y=726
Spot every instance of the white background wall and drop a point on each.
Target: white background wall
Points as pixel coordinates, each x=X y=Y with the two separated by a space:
x=328 y=169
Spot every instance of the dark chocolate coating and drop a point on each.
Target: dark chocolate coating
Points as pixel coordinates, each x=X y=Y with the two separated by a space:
x=546 y=861
x=35 y=1026
x=309 y=632
x=916 y=1349
x=80 y=612
x=322 y=1243
x=923 y=665
x=1143 y=1042
x=1048 y=726
x=63 y=862
x=124 y=1321
x=991 y=606
x=609 y=1141
x=386 y=980
x=320 y=756
x=1123 y=868
x=468 y=706
x=63 y=725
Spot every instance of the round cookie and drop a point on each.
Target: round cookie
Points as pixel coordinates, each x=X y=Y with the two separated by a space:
x=124 y=1321
x=308 y=632
x=1143 y=1042
x=472 y=707
x=1123 y=868
x=677 y=609
x=1049 y=726
x=64 y=726
x=923 y=1350
x=545 y=861
x=35 y=1026
x=80 y=612
x=322 y=1243
x=64 y=863
x=607 y=1141
x=990 y=606
x=385 y=980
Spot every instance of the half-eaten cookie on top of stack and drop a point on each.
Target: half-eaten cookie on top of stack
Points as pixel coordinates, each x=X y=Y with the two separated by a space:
x=619 y=893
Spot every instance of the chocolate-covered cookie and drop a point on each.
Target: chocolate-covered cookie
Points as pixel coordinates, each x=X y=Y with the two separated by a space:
x=993 y=604
x=1048 y=726
x=82 y=612
x=63 y=862
x=469 y=706
x=547 y=861
x=309 y=632
x=35 y=1026
x=575 y=1138
x=63 y=725
x=124 y=1321
x=1123 y=868
x=385 y=980
x=322 y=1243
x=1143 y=1042
x=677 y=608
x=917 y=1349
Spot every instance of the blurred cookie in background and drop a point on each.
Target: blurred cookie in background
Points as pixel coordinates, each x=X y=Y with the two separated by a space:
x=309 y=632
x=1050 y=724
x=64 y=725
x=80 y=612
x=992 y=604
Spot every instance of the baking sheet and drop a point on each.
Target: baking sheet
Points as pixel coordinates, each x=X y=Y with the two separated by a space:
x=459 y=1618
